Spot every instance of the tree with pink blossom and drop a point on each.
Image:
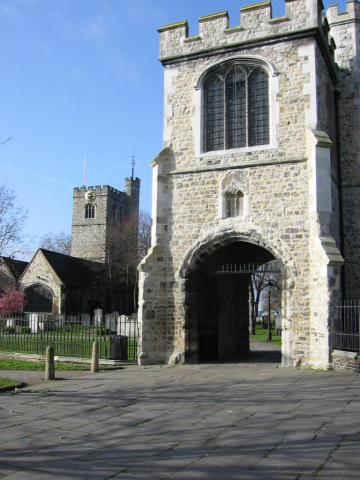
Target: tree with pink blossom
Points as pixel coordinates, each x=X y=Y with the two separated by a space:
x=12 y=301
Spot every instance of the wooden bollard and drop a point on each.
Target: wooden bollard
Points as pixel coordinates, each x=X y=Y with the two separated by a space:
x=95 y=358
x=50 y=364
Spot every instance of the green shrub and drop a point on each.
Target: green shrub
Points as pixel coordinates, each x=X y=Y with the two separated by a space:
x=10 y=330
x=25 y=330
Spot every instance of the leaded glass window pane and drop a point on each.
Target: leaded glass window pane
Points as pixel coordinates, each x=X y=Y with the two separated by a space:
x=40 y=299
x=215 y=115
x=258 y=108
x=236 y=108
x=236 y=112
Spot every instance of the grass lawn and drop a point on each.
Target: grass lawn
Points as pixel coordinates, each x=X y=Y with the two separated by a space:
x=76 y=346
x=6 y=383
x=12 y=364
x=261 y=335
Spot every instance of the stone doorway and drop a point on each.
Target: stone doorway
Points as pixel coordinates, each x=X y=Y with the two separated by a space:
x=217 y=306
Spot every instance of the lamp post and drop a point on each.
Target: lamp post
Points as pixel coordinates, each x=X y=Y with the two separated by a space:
x=269 y=285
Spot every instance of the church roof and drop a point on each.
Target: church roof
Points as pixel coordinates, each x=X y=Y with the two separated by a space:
x=73 y=271
x=16 y=267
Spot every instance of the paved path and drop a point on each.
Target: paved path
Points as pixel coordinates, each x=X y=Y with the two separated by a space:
x=36 y=377
x=247 y=420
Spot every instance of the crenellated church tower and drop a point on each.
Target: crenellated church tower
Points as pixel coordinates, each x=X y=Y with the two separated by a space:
x=94 y=210
x=260 y=162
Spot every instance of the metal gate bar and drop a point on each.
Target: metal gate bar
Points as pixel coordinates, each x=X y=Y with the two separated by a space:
x=208 y=318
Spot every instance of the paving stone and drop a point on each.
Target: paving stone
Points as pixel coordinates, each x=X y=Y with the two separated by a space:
x=25 y=445
x=195 y=472
x=6 y=469
x=75 y=469
x=160 y=467
x=286 y=465
x=28 y=460
x=128 y=455
x=348 y=452
x=338 y=471
x=130 y=476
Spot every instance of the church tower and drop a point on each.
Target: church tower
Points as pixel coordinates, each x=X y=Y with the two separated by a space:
x=260 y=162
x=94 y=210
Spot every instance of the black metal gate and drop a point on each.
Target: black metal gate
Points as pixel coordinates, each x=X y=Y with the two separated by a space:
x=345 y=328
x=208 y=318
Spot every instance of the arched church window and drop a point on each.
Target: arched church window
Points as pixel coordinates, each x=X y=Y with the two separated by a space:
x=234 y=204
x=40 y=299
x=89 y=210
x=236 y=107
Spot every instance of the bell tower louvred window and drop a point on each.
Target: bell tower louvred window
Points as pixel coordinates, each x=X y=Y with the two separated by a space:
x=89 y=210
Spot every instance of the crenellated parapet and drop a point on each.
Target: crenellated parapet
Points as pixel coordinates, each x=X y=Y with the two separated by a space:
x=345 y=29
x=352 y=13
x=99 y=190
x=256 y=23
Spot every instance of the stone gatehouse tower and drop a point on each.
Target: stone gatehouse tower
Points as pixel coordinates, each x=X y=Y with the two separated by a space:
x=94 y=210
x=260 y=162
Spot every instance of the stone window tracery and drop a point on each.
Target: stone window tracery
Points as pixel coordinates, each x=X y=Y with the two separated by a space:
x=233 y=195
x=89 y=210
x=236 y=107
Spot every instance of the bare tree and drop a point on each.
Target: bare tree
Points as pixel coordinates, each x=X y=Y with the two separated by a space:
x=126 y=244
x=7 y=140
x=12 y=220
x=60 y=242
x=144 y=235
x=257 y=290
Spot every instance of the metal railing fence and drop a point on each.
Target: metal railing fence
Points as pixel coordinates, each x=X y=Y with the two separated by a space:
x=345 y=327
x=71 y=336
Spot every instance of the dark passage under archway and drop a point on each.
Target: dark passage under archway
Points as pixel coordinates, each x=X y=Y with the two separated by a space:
x=217 y=302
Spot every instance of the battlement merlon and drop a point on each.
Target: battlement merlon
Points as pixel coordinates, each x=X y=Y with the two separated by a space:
x=132 y=189
x=352 y=12
x=256 y=22
x=100 y=190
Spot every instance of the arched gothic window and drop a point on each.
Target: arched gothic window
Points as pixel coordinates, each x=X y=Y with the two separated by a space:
x=236 y=107
x=40 y=299
x=89 y=210
x=234 y=204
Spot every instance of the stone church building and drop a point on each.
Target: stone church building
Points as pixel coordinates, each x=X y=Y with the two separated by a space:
x=260 y=162
x=74 y=284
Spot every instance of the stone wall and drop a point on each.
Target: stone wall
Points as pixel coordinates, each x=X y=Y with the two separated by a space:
x=6 y=279
x=345 y=29
x=345 y=361
x=256 y=23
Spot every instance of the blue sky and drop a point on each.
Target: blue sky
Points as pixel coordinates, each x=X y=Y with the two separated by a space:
x=82 y=76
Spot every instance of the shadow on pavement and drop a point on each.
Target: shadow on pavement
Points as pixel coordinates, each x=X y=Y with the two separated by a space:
x=260 y=352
